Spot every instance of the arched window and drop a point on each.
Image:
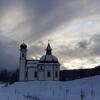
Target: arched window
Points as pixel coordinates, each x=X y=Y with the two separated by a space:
x=56 y=74
x=41 y=68
x=48 y=74
x=22 y=54
x=35 y=74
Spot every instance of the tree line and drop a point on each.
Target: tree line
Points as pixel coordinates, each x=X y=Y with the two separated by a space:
x=79 y=73
x=9 y=76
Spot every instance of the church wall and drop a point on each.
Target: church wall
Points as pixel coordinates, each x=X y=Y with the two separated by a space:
x=41 y=72
x=56 y=77
x=32 y=73
x=48 y=67
x=56 y=73
x=48 y=70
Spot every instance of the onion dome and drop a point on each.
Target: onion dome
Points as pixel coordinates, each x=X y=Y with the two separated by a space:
x=49 y=58
x=23 y=46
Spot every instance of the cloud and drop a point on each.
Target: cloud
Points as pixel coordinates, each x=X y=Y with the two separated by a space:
x=71 y=25
x=84 y=53
x=83 y=44
x=9 y=53
x=95 y=48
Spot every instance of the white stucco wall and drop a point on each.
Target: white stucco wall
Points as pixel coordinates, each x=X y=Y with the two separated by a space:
x=42 y=75
x=31 y=73
x=56 y=69
x=22 y=70
x=48 y=68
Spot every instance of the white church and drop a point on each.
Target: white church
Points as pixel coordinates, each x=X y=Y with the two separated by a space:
x=45 y=69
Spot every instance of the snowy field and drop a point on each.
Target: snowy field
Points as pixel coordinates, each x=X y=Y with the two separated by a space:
x=82 y=89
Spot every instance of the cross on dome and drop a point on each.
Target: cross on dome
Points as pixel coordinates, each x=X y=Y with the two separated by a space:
x=48 y=49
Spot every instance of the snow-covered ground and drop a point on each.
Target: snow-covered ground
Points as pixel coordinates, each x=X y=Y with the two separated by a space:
x=82 y=89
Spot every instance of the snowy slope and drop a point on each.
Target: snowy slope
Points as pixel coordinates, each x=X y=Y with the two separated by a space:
x=87 y=88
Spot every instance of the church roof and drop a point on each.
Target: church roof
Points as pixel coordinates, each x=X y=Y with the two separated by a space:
x=49 y=58
x=32 y=63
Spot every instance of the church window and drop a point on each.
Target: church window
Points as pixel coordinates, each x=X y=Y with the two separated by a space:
x=26 y=75
x=41 y=68
x=23 y=55
x=35 y=74
x=48 y=74
x=56 y=74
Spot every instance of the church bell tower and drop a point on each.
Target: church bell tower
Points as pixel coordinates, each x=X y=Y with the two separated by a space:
x=22 y=63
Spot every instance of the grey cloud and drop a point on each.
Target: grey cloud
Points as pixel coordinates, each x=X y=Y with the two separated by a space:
x=8 y=53
x=42 y=17
x=35 y=50
x=88 y=49
x=77 y=50
x=95 y=49
x=83 y=44
x=48 y=15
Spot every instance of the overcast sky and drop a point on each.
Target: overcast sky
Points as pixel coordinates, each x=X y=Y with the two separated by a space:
x=72 y=26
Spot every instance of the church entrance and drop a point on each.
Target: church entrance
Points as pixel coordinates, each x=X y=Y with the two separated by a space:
x=41 y=74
